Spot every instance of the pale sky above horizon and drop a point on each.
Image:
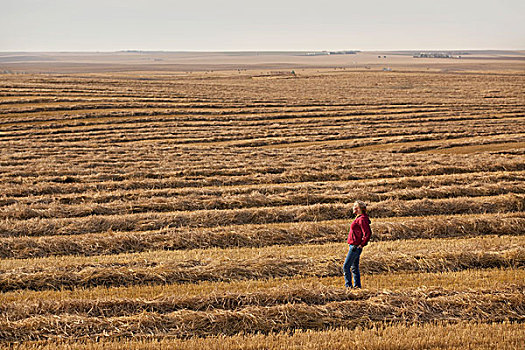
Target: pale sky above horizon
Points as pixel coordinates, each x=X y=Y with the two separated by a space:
x=280 y=25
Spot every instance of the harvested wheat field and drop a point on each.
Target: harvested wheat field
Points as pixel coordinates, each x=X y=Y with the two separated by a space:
x=210 y=209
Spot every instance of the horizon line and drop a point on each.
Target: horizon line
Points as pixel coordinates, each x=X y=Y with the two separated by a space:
x=251 y=51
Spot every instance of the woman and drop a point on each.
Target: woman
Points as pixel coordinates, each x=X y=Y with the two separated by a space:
x=357 y=238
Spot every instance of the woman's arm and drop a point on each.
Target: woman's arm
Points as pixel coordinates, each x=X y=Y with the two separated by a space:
x=367 y=231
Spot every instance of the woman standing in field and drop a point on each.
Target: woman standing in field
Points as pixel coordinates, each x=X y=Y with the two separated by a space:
x=358 y=237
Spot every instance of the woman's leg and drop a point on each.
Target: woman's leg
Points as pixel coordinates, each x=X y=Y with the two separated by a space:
x=355 y=268
x=349 y=261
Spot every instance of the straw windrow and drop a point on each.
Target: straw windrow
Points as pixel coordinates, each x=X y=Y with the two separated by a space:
x=148 y=209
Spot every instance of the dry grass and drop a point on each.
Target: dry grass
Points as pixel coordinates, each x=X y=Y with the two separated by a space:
x=227 y=300
x=189 y=199
x=480 y=279
x=422 y=306
x=270 y=262
x=482 y=148
x=264 y=215
x=96 y=176
x=260 y=235
x=436 y=335
x=153 y=206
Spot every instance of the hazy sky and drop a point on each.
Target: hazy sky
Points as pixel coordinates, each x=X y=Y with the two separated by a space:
x=207 y=25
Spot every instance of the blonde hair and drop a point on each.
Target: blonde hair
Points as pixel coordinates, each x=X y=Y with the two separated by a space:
x=361 y=206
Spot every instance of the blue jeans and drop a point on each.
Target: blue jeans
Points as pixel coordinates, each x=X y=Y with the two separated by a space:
x=352 y=264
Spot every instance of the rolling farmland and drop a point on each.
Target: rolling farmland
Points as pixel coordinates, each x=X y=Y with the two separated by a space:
x=205 y=209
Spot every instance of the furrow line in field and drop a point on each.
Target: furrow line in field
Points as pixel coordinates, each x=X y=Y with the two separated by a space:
x=242 y=113
x=490 y=307
x=245 y=138
x=147 y=203
x=402 y=335
x=252 y=235
x=9 y=119
x=314 y=127
x=271 y=134
x=382 y=188
x=263 y=215
x=232 y=180
x=111 y=274
x=319 y=295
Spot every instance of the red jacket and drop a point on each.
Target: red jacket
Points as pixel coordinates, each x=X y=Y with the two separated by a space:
x=360 y=231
